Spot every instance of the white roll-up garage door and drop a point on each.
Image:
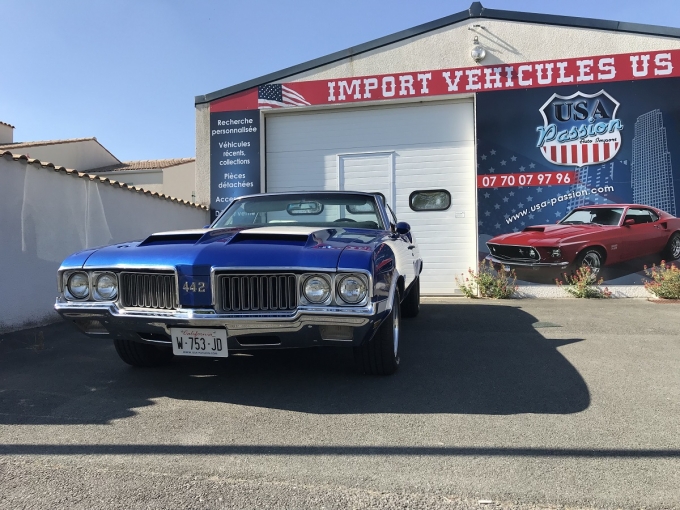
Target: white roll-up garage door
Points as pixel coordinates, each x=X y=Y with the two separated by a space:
x=395 y=150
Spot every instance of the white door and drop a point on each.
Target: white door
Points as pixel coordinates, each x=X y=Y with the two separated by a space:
x=395 y=150
x=371 y=171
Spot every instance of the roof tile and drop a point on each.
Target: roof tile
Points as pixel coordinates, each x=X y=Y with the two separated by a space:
x=149 y=164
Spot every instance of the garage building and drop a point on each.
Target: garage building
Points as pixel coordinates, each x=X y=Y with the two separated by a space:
x=466 y=115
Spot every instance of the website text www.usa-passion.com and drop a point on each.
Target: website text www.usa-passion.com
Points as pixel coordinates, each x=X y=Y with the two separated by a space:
x=558 y=199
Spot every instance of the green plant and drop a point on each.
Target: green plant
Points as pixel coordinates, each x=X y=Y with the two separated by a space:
x=665 y=281
x=487 y=282
x=582 y=283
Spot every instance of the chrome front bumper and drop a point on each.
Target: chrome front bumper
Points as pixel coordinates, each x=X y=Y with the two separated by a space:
x=511 y=263
x=303 y=328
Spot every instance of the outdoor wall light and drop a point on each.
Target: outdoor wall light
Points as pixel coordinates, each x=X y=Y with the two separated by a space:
x=478 y=53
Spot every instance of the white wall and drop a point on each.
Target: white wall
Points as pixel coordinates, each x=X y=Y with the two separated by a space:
x=179 y=181
x=82 y=156
x=47 y=215
x=6 y=133
x=202 y=184
x=504 y=41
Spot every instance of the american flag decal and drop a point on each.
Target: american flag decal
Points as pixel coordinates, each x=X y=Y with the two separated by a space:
x=580 y=154
x=278 y=96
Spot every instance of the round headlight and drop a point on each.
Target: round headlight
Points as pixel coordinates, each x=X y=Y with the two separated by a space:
x=79 y=285
x=316 y=289
x=352 y=289
x=107 y=286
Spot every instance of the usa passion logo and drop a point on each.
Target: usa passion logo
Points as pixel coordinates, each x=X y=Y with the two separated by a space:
x=579 y=130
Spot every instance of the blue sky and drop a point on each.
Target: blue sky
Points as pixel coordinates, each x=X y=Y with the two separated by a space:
x=127 y=71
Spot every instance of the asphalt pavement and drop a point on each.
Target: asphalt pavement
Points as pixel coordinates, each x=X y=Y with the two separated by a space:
x=497 y=404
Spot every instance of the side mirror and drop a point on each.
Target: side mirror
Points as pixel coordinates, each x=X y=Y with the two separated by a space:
x=206 y=226
x=402 y=228
x=628 y=222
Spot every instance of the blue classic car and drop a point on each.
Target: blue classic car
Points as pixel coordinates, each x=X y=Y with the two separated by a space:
x=273 y=271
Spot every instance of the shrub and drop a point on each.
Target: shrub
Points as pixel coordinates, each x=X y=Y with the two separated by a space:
x=582 y=283
x=487 y=282
x=665 y=281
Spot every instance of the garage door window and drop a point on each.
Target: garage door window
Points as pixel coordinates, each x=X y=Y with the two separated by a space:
x=430 y=200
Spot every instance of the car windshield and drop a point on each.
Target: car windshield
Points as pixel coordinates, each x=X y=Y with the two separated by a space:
x=594 y=216
x=305 y=209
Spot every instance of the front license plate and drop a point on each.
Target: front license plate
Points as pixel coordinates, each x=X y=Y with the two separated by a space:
x=211 y=343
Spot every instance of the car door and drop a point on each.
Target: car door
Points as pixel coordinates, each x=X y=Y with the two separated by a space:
x=406 y=252
x=645 y=236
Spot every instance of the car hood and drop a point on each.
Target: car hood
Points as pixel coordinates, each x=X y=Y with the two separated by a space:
x=197 y=251
x=549 y=235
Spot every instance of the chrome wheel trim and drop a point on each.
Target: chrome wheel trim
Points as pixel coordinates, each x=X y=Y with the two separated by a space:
x=395 y=331
x=675 y=247
x=593 y=260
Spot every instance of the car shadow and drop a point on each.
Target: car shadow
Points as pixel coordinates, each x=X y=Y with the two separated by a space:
x=456 y=358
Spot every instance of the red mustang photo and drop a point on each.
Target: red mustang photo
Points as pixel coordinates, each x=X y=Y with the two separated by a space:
x=593 y=235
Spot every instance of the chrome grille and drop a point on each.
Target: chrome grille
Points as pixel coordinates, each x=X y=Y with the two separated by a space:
x=148 y=290
x=509 y=252
x=254 y=293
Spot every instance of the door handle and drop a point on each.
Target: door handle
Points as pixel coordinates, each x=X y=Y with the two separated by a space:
x=411 y=246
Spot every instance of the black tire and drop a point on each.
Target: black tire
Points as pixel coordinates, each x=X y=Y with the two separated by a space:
x=139 y=354
x=410 y=307
x=380 y=354
x=672 y=250
x=592 y=257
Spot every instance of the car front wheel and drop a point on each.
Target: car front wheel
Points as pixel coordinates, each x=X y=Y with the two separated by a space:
x=592 y=258
x=138 y=354
x=380 y=354
x=672 y=251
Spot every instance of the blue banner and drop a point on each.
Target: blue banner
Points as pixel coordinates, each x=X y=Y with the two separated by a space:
x=234 y=157
x=544 y=152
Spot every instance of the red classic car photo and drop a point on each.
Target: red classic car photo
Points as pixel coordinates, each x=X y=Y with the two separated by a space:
x=593 y=235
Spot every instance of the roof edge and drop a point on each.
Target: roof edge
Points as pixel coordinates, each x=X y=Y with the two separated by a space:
x=579 y=22
x=476 y=10
x=124 y=165
x=84 y=175
x=44 y=143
